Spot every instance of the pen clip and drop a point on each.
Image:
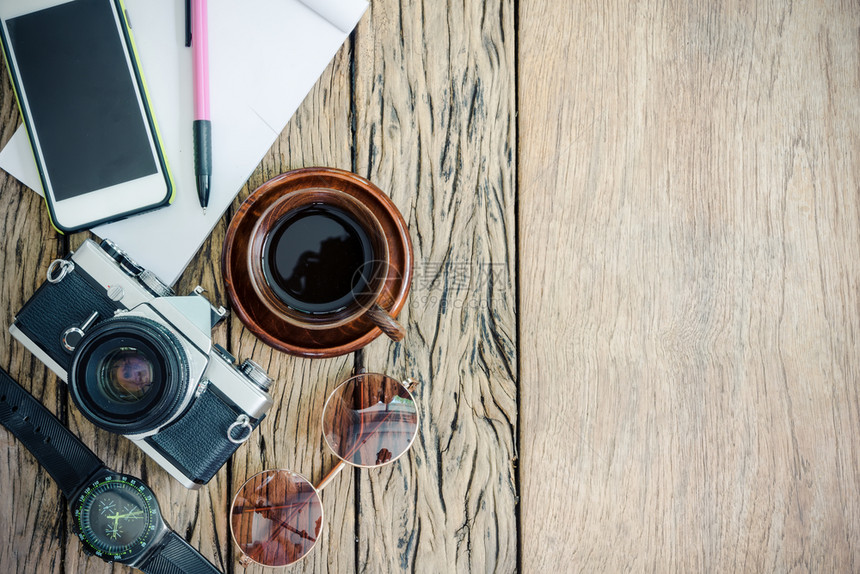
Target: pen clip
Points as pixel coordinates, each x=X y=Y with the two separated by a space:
x=187 y=23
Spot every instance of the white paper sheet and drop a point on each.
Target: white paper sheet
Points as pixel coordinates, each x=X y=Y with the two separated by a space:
x=264 y=58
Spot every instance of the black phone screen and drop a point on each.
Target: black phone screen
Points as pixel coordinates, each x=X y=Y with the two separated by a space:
x=80 y=93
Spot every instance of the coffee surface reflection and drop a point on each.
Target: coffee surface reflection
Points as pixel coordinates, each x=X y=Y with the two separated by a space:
x=313 y=259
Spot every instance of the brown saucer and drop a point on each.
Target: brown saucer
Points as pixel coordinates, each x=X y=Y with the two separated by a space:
x=255 y=313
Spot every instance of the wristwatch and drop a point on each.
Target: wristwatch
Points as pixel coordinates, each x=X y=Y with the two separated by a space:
x=116 y=516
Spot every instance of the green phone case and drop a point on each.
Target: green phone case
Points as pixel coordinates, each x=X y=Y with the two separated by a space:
x=153 y=126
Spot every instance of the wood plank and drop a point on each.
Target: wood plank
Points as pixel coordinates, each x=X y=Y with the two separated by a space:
x=199 y=516
x=689 y=253
x=435 y=129
x=290 y=437
x=32 y=507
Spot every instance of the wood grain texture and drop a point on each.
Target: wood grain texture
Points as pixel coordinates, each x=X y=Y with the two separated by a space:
x=687 y=258
x=690 y=225
x=319 y=134
x=291 y=436
x=434 y=101
x=28 y=246
x=198 y=516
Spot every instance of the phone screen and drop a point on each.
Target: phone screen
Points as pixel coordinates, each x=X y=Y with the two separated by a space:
x=79 y=89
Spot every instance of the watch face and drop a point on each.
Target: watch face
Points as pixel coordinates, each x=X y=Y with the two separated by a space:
x=116 y=517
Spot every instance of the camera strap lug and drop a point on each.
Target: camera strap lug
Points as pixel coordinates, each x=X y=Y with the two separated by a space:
x=243 y=422
x=65 y=266
x=216 y=315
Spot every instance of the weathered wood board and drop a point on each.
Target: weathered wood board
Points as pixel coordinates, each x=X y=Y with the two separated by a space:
x=291 y=436
x=435 y=95
x=689 y=246
x=33 y=511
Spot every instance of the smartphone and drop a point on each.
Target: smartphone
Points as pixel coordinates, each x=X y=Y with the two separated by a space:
x=84 y=104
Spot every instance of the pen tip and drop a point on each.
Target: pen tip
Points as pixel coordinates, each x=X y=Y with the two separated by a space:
x=204 y=211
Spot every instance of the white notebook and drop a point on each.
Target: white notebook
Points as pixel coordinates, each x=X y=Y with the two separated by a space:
x=264 y=58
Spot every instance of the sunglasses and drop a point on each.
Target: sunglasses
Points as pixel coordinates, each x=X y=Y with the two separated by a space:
x=369 y=420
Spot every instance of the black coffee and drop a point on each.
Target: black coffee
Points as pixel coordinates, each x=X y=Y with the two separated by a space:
x=313 y=259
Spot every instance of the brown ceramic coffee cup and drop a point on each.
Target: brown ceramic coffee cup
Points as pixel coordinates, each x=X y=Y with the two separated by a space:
x=319 y=259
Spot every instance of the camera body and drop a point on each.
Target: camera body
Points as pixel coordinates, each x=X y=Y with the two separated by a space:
x=139 y=361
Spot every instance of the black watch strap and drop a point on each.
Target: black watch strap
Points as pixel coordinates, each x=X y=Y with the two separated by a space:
x=176 y=556
x=69 y=462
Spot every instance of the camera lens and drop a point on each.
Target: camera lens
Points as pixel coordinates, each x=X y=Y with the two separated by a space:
x=129 y=375
x=125 y=375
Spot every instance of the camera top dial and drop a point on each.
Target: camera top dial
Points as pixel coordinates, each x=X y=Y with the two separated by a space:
x=147 y=278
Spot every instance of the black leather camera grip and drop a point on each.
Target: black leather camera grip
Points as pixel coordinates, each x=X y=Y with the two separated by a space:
x=176 y=556
x=69 y=462
x=197 y=442
x=55 y=307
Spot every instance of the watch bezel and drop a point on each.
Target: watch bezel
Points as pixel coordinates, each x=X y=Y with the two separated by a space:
x=144 y=543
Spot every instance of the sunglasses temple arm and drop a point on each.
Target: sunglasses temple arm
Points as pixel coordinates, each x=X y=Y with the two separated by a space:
x=330 y=476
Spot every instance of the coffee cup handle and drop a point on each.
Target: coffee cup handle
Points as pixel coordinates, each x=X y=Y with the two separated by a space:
x=386 y=322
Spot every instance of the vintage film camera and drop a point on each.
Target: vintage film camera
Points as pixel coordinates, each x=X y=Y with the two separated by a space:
x=139 y=361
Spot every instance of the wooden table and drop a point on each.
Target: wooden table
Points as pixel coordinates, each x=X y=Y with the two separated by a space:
x=635 y=313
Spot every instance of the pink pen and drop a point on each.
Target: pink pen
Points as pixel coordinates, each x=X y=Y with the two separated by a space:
x=197 y=35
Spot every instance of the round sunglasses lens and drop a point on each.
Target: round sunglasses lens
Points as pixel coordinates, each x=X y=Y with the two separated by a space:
x=370 y=420
x=277 y=517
